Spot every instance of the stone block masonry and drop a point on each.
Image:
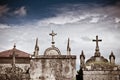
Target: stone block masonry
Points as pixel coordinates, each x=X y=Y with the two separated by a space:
x=53 y=67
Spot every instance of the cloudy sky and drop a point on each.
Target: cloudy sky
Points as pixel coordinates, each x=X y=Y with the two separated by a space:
x=22 y=21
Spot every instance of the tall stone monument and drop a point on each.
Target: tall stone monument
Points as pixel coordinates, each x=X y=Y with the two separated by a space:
x=98 y=67
x=52 y=65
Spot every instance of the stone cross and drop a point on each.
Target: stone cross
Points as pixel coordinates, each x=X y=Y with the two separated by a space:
x=53 y=34
x=97 y=53
x=97 y=40
x=13 y=57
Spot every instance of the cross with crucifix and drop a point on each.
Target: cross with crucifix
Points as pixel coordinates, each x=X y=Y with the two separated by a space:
x=97 y=53
x=13 y=60
x=13 y=57
x=53 y=34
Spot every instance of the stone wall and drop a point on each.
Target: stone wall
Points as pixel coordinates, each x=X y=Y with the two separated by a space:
x=19 y=72
x=53 y=67
x=24 y=67
x=101 y=75
x=23 y=63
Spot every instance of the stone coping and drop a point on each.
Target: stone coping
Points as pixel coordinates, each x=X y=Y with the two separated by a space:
x=54 y=57
x=102 y=72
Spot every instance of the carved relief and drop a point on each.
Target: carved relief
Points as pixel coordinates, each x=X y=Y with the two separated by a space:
x=67 y=69
x=52 y=51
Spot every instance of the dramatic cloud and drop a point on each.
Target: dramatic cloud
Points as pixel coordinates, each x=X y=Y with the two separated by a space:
x=3 y=10
x=21 y=11
x=11 y=15
x=84 y=13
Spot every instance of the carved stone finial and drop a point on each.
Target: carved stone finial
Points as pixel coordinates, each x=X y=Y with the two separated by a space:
x=112 y=58
x=112 y=55
x=36 y=45
x=68 y=47
x=53 y=34
x=97 y=53
x=82 y=55
x=36 y=48
x=82 y=60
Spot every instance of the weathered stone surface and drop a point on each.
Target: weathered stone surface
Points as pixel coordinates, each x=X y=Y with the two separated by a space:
x=53 y=67
x=13 y=73
x=50 y=66
x=98 y=67
x=101 y=75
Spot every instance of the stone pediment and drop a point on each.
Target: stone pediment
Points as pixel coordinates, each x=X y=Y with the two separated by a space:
x=52 y=51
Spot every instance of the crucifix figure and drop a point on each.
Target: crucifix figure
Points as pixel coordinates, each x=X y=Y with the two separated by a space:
x=97 y=53
x=53 y=34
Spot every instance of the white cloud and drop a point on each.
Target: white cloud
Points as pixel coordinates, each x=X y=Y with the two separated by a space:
x=62 y=19
x=4 y=26
x=21 y=11
x=85 y=38
x=94 y=20
x=117 y=20
x=69 y=18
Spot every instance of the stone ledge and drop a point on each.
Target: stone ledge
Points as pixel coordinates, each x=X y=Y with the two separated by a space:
x=101 y=72
x=55 y=57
